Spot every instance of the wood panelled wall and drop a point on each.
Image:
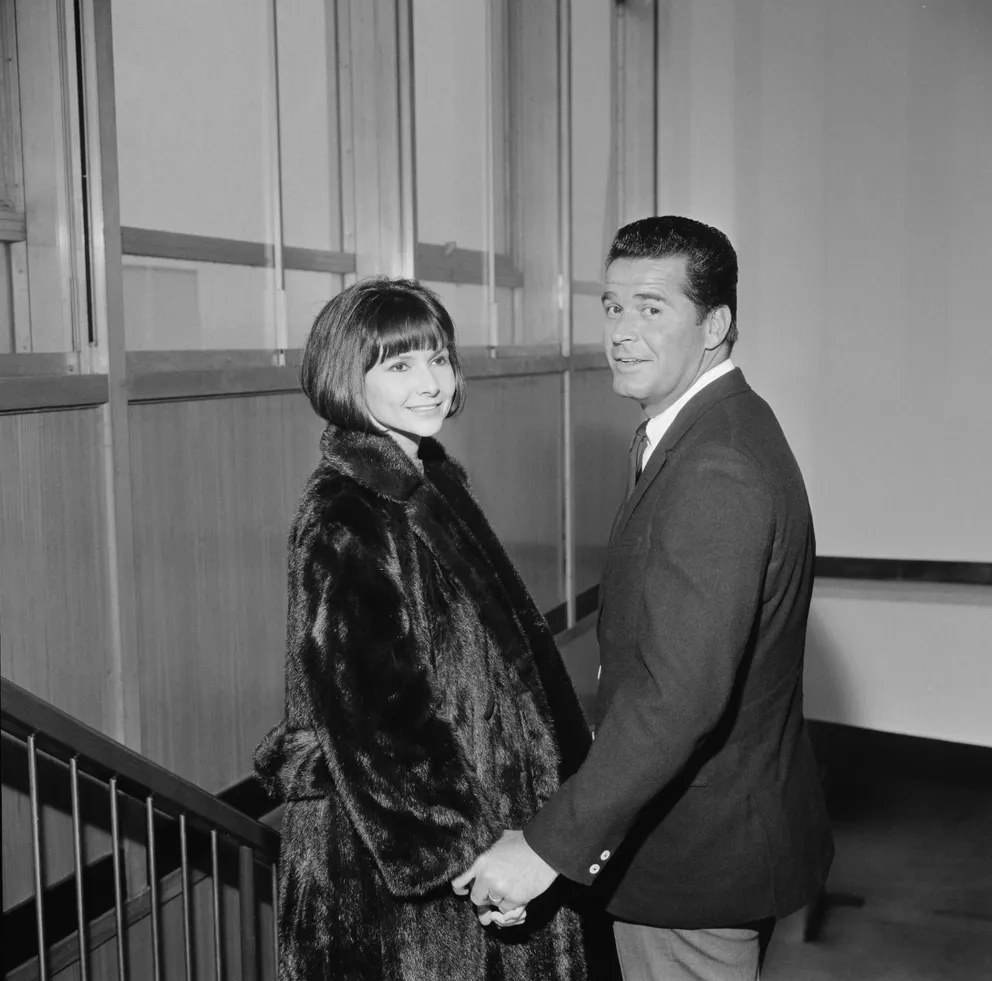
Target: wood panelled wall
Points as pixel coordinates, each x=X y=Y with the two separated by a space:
x=214 y=485
x=509 y=439
x=55 y=597
x=54 y=582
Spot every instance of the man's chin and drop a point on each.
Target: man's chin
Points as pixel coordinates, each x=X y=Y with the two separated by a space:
x=624 y=388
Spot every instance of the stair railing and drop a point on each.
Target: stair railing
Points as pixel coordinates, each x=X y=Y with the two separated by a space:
x=167 y=798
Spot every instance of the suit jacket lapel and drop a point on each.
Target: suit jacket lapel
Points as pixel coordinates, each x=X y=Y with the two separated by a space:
x=732 y=383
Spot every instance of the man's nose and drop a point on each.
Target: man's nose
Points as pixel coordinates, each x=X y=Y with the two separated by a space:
x=622 y=330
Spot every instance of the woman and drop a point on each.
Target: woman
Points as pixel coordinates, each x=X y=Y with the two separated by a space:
x=427 y=707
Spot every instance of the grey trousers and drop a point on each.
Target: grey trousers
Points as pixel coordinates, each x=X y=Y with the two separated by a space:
x=662 y=954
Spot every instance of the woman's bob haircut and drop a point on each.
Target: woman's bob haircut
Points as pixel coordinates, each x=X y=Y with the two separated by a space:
x=373 y=320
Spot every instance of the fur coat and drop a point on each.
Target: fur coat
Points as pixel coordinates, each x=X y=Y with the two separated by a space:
x=427 y=709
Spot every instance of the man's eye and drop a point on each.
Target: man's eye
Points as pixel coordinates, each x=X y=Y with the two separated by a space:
x=612 y=309
x=652 y=311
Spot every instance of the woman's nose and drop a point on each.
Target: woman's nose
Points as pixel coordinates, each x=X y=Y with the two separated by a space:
x=428 y=383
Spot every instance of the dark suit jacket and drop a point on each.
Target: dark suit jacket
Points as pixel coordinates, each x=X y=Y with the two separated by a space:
x=699 y=804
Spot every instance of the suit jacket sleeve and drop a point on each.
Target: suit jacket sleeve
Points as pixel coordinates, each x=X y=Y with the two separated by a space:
x=398 y=766
x=710 y=543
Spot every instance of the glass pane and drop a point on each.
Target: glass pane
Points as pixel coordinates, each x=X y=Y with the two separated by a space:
x=534 y=187
x=306 y=294
x=587 y=320
x=508 y=316
x=509 y=440
x=195 y=132
x=487 y=159
x=174 y=305
x=449 y=60
x=461 y=176
x=6 y=303
x=467 y=306
x=43 y=290
x=593 y=193
x=308 y=124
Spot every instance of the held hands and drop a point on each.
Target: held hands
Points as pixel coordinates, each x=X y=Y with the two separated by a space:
x=506 y=878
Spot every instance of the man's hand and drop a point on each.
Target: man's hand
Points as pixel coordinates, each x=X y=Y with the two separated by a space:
x=508 y=876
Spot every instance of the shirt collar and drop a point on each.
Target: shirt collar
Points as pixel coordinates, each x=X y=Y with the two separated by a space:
x=658 y=425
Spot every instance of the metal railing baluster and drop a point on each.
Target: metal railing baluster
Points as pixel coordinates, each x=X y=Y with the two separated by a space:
x=77 y=849
x=115 y=844
x=36 y=856
x=275 y=917
x=184 y=880
x=215 y=868
x=246 y=895
x=153 y=889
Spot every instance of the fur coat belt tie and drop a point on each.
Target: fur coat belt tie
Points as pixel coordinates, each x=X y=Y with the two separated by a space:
x=290 y=765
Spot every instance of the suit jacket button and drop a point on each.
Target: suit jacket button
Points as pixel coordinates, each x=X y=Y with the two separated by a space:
x=604 y=856
x=594 y=868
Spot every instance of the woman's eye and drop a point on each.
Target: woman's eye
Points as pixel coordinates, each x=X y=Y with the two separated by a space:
x=441 y=359
x=399 y=366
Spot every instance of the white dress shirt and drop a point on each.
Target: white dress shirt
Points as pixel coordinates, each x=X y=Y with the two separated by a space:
x=658 y=425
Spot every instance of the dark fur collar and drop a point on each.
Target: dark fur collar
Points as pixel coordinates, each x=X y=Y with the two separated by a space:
x=376 y=461
x=445 y=517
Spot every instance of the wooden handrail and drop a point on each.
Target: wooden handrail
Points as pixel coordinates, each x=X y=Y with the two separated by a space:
x=61 y=736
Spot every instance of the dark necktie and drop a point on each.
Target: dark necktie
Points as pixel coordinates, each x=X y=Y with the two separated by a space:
x=637 y=445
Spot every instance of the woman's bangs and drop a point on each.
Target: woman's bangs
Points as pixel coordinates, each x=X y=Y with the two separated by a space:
x=410 y=335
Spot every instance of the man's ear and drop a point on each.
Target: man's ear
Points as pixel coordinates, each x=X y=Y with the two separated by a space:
x=717 y=325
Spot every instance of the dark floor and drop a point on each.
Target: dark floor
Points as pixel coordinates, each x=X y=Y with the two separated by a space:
x=918 y=849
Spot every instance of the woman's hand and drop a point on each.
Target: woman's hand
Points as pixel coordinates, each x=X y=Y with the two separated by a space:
x=494 y=913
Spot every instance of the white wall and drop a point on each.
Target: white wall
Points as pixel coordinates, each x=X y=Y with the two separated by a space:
x=846 y=147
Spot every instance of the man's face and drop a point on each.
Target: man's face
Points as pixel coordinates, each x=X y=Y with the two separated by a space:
x=655 y=342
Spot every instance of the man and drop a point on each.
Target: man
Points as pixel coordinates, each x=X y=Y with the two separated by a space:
x=698 y=811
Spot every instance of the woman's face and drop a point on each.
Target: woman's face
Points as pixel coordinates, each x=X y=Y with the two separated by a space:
x=409 y=395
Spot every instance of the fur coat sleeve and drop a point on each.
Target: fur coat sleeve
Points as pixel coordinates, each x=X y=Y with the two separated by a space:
x=360 y=680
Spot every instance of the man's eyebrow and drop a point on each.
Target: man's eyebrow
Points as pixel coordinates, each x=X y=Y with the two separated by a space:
x=650 y=295
x=608 y=295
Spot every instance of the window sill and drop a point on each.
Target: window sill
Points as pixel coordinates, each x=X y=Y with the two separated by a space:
x=35 y=393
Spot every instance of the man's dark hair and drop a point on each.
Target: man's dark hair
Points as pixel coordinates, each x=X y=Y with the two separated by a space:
x=710 y=259
x=371 y=321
